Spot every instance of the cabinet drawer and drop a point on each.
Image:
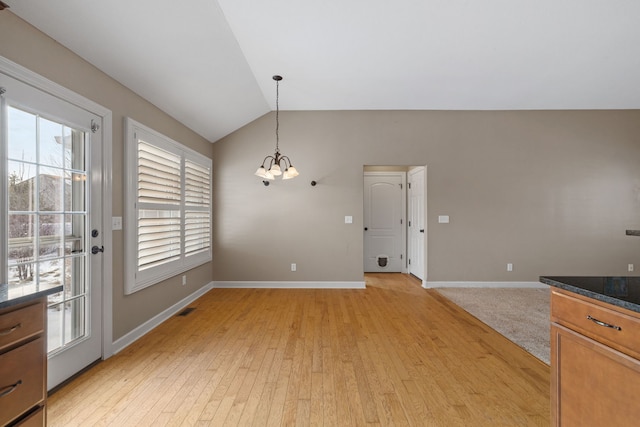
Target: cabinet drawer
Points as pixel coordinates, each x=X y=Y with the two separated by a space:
x=21 y=379
x=600 y=322
x=20 y=324
x=37 y=419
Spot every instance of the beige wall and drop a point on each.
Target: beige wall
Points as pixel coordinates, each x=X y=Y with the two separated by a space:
x=550 y=191
x=25 y=45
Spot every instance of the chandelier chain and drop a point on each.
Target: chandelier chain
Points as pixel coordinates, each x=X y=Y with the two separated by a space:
x=277 y=116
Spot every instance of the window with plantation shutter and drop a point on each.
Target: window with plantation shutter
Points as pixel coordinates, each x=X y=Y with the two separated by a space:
x=169 y=225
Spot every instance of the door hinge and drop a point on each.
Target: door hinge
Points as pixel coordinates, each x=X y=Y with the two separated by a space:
x=409 y=261
x=409 y=223
x=94 y=126
x=400 y=186
x=3 y=91
x=409 y=186
x=400 y=256
x=400 y=221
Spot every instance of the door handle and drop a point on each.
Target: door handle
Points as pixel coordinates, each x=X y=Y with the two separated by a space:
x=366 y=228
x=422 y=230
x=95 y=249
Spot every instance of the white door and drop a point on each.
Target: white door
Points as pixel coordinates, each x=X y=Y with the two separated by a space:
x=384 y=222
x=416 y=228
x=51 y=173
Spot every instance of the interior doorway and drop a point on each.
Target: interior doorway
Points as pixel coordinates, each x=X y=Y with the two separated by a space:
x=394 y=217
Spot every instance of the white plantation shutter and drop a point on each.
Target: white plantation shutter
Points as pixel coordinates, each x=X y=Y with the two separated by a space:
x=171 y=188
x=159 y=175
x=197 y=208
x=198 y=184
x=158 y=237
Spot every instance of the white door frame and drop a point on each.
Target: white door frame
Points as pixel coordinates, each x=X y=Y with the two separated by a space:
x=37 y=81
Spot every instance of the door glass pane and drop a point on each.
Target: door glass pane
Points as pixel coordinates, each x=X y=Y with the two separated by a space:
x=51 y=189
x=55 y=324
x=47 y=219
x=22 y=135
x=50 y=141
x=21 y=189
x=66 y=319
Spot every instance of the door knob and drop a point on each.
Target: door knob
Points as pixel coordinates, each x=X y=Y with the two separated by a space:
x=366 y=228
x=422 y=230
x=96 y=249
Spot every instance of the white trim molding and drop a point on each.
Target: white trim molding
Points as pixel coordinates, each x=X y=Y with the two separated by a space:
x=131 y=337
x=289 y=285
x=431 y=285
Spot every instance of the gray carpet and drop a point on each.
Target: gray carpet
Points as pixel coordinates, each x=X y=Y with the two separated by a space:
x=520 y=314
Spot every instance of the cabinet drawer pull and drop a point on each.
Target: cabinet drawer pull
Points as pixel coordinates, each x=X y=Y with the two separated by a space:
x=10 y=330
x=601 y=323
x=10 y=389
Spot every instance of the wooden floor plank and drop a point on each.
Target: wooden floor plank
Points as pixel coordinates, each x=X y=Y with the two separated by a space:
x=391 y=354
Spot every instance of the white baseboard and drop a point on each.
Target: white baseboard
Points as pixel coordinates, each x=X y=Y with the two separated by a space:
x=289 y=285
x=128 y=339
x=428 y=285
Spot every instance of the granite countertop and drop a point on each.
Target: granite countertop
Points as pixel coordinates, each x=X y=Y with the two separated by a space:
x=619 y=291
x=22 y=297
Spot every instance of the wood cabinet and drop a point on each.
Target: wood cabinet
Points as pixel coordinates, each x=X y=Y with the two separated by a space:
x=23 y=364
x=595 y=371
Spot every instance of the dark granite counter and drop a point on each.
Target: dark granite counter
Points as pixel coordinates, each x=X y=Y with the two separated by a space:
x=620 y=291
x=7 y=300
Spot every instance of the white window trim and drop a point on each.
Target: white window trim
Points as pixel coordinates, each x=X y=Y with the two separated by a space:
x=136 y=280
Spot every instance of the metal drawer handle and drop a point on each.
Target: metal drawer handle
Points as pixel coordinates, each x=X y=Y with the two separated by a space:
x=10 y=389
x=601 y=323
x=10 y=330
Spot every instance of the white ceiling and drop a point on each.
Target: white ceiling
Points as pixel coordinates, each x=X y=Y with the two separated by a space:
x=209 y=63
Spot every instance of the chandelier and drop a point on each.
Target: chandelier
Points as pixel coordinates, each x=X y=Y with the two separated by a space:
x=277 y=164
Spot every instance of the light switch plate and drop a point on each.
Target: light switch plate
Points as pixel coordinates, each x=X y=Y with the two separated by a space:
x=116 y=223
x=443 y=219
x=348 y=219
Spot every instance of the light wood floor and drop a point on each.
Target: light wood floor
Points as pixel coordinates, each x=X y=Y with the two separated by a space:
x=393 y=354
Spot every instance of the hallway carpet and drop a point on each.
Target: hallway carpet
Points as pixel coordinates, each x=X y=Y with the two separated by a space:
x=520 y=314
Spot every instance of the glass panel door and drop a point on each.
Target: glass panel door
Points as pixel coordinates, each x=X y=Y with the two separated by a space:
x=50 y=157
x=47 y=219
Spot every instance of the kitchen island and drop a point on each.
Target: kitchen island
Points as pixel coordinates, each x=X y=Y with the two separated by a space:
x=23 y=355
x=595 y=350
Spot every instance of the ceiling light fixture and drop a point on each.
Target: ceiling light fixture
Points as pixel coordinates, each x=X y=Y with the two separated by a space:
x=277 y=162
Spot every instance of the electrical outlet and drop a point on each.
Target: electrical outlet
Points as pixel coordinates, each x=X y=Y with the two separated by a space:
x=293 y=267
x=630 y=267
x=184 y=279
x=509 y=267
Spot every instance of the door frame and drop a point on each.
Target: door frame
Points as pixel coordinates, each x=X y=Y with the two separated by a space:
x=37 y=81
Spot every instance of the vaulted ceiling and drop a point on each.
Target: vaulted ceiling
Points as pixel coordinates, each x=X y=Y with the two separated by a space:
x=209 y=63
